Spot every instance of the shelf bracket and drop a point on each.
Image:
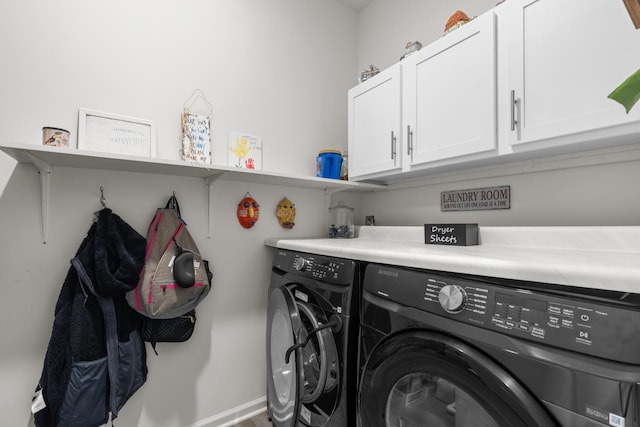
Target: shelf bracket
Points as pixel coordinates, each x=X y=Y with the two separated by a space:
x=45 y=170
x=209 y=181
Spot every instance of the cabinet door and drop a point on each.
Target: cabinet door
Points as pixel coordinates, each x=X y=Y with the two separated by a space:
x=449 y=92
x=374 y=125
x=565 y=57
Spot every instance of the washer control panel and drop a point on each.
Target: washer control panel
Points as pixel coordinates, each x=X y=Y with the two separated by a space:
x=326 y=269
x=598 y=327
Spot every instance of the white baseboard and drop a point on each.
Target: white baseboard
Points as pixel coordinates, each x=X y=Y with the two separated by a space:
x=235 y=415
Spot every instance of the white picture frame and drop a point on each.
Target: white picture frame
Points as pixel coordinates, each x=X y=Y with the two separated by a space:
x=116 y=134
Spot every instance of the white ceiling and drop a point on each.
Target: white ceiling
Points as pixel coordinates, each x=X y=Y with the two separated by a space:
x=356 y=5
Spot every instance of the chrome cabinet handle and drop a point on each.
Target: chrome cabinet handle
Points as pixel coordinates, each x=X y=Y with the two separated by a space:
x=409 y=140
x=393 y=145
x=514 y=101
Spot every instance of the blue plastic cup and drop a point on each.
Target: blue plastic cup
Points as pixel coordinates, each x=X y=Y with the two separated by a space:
x=328 y=164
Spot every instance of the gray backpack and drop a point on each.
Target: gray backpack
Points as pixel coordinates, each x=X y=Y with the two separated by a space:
x=174 y=278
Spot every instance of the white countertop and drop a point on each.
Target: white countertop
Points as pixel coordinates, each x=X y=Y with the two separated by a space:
x=589 y=257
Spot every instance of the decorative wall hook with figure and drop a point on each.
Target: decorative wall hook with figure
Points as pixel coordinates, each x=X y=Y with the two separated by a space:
x=286 y=213
x=248 y=211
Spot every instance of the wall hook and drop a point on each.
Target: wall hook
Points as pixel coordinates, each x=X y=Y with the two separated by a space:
x=103 y=201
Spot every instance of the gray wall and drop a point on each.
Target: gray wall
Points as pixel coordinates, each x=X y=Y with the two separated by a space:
x=278 y=69
x=385 y=26
x=594 y=189
x=269 y=68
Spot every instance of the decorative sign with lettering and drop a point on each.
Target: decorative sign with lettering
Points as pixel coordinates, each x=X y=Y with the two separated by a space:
x=451 y=234
x=196 y=138
x=476 y=199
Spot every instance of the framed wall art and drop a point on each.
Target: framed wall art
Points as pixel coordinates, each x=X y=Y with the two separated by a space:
x=115 y=133
x=245 y=151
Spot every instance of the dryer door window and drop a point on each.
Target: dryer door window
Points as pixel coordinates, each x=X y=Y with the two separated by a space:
x=319 y=356
x=419 y=399
x=422 y=378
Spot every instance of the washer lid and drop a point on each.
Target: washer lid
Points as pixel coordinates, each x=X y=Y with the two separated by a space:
x=284 y=378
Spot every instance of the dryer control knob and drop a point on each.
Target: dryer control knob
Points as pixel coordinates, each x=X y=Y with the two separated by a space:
x=452 y=298
x=300 y=263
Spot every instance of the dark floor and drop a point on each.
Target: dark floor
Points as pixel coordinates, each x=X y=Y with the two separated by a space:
x=260 y=420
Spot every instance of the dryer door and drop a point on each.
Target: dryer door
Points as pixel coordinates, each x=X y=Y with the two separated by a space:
x=284 y=379
x=421 y=378
x=320 y=367
x=302 y=360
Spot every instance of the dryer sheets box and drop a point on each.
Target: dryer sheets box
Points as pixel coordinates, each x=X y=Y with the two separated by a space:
x=451 y=234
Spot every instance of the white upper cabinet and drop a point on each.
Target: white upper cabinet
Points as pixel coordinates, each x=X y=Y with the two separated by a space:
x=374 y=110
x=449 y=97
x=529 y=78
x=564 y=58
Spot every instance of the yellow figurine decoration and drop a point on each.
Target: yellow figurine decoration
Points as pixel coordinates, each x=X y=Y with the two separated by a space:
x=286 y=213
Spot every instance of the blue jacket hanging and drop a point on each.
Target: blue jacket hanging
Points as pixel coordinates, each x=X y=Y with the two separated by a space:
x=96 y=358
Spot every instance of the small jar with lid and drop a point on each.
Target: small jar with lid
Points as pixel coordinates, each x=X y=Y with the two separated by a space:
x=344 y=169
x=341 y=221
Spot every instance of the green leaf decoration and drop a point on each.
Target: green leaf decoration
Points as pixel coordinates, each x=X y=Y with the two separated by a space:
x=628 y=93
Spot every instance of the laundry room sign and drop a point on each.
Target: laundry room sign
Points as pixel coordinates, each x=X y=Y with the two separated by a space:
x=476 y=199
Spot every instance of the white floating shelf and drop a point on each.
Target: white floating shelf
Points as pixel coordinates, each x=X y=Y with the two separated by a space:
x=46 y=158
x=69 y=157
